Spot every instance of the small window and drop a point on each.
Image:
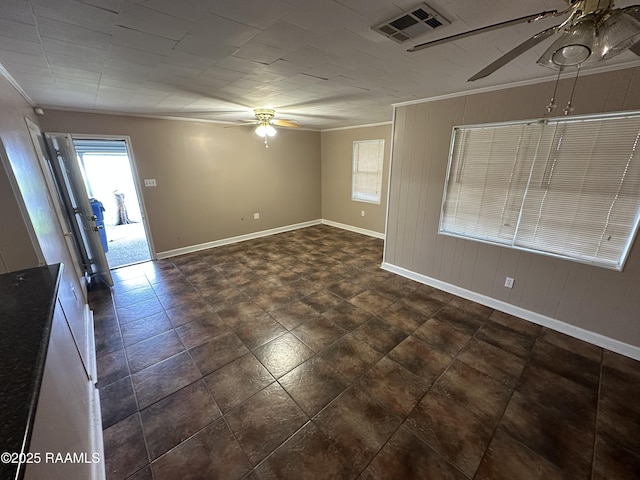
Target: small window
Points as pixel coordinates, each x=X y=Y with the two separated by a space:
x=564 y=187
x=368 y=159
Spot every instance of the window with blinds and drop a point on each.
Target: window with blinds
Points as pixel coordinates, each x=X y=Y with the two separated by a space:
x=566 y=187
x=368 y=160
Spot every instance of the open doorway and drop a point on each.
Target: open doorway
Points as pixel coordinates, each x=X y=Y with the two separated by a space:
x=108 y=174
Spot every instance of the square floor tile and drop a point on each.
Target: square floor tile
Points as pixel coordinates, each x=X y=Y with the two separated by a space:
x=406 y=456
x=495 y=362
x=394 y=386
x=164 y=378
x=403 y=317
x=139 y=310
x=347 y=316
x=507 y=459
x=319 y=333
x=111 y=367
x=153 y=350
x=371 y=302
x=197 y=310
x=264 y=421
x=200 y=331
x=544 y=431
x=358 y=424
x=506 y=339
x=420 y=359
x=283 y=354
x=442 y=336
x=612 y=460
x=237 y=381
x=568 y=364
x=458 y=434
x=474 y=390
x=294 y=314
x=218 y=352
x=309 y=454
x=212 y=453
x=147 y=327
x=262 y=329
x=313 y=384
x=380 y=335
x=175 y=418
x=117 y=402
x=351 y=356
x=467 y=322
x=124 y=448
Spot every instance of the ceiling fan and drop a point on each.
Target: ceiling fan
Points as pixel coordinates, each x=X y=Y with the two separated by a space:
x=593 y=31
x=265 y=121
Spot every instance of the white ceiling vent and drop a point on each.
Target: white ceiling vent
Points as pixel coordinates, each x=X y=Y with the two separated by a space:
x=411 y=23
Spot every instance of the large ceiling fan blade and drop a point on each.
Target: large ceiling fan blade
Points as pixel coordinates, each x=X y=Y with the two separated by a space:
x=495 y=26
x=512 y=54
x=285 y=123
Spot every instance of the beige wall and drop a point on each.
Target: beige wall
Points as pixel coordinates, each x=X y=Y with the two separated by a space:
x=211 y=179
x=595 y=299
x=337 y=160
x=16 y=248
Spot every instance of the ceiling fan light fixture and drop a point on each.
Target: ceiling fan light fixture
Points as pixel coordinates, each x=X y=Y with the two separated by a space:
x=574 y=47
x=265 y=130
x=620 y=31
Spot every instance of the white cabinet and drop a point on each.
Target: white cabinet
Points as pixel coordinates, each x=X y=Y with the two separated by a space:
x=66 y=442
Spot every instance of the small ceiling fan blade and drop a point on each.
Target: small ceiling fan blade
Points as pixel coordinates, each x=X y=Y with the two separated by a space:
x=244 y=124
x=285 y=123
x=512 y=54
x=488 y=28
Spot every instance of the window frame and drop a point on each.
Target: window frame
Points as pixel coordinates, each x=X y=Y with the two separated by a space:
x=634 y=225
x=359 y=196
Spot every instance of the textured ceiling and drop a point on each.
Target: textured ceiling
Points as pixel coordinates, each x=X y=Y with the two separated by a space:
x=315 y=61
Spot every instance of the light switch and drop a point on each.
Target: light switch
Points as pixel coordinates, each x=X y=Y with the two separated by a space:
x=150 y=182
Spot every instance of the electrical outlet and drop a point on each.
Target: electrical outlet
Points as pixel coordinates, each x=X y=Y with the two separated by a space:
x=150 y=182
x=508 y=282
x=362 y=213
x=256 y=216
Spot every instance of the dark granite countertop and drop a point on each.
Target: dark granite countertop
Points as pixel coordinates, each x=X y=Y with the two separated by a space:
x=27 y=302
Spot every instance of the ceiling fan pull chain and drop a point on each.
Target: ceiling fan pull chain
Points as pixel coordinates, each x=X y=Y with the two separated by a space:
x=552 y=103
x=569 y=108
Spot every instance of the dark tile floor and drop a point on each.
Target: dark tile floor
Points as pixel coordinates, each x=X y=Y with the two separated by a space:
x=296 y=357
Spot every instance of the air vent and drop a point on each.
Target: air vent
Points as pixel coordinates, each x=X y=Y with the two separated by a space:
x=410 y=24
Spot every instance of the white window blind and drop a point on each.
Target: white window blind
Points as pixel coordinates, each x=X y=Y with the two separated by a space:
x=564 y=187
x=368 y=160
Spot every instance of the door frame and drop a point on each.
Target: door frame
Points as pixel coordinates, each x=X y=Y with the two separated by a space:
x=136 y=180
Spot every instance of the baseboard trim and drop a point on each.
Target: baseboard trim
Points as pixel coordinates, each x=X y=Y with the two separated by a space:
x=351 y=228
x=539 y=319
x=237 y=239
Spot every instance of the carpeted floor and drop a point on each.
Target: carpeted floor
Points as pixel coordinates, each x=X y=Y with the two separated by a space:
x=127 y=244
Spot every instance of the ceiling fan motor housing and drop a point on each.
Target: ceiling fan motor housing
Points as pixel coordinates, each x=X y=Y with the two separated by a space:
x=265 y=115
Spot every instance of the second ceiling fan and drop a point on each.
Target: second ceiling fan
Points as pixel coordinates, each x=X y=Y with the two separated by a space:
x=593 y=31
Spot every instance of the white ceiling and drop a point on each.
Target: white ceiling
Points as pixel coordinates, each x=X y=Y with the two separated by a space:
x=315 y=61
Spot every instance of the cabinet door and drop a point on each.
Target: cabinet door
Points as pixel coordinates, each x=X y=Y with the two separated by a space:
x=64 y=427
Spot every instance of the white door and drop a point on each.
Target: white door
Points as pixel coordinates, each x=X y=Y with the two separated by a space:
x=76 y=200
x=56 y=241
